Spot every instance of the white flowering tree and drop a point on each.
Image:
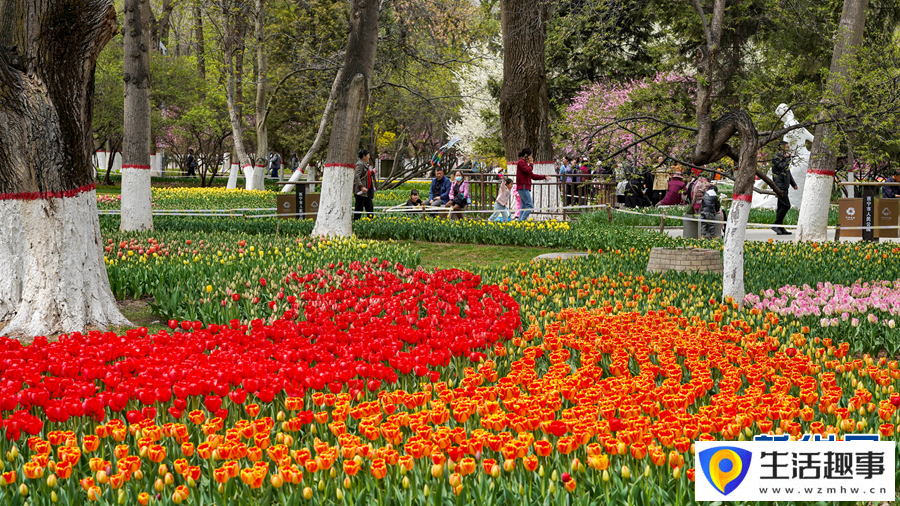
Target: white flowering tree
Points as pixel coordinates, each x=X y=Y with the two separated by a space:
x=478 y=104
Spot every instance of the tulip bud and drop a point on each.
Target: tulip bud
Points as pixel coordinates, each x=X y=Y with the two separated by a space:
x=321 y=486
x=347 y=482
x=626 y=473
x=495 y=471
x=541 y=471
x=122 y=496
x=52 y=481
x=333 y=473
x=313 y=430
x=23 y=490
x=307 y=492
x=102 y=477
x=339 y=494
x=552 y=488
x=554 y=476
x=191 y=483
x=169 y=479
x=53 y=497
x=159 y=486
x=437 y=471
x=221 y=488
x=676 y=473
x=426 y=491
x=280 y=416
x=405 y=482
x=138 y=475
x=277 y=481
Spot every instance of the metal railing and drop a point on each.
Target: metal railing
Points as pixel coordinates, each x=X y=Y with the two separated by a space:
x=563 y=199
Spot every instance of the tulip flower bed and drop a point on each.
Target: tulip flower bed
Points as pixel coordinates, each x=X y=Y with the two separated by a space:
x=603 y=405
x=224 y=277
x=865 y=312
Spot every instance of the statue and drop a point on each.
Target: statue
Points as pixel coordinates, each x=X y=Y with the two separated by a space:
x=797 y=139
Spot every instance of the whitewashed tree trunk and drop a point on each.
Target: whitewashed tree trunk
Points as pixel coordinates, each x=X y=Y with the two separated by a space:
x=256 y=178
x=334 y=216
x=52 y=274
x=733 y=252
x=234 y=117
x=546 y=196
x=136 y=212
x=812 y=225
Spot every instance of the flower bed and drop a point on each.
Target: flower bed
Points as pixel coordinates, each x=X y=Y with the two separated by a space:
x=603 y=404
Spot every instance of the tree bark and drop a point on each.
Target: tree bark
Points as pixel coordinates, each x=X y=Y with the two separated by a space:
x=52 y=272
x=320 y=137
x=136 y=213
x=159 y=28
x=198 y=35
x=524 y=103
x=334 y=216
x=231 y=40
x=712 y=145
x=812 y=225
x=256 y=177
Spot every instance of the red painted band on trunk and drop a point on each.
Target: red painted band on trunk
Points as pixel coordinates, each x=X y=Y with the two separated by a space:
x=344 y=165
x=260 y=166
x=47 y=195
x=745 y=198
x=135 y=166
x=829 y=173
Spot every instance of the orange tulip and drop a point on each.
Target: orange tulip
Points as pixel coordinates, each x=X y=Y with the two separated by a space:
x=63 y=470
x=157 y=453
x=598 y=462
x=466 y=466
x=351 y=467
x=143 y=498
x=638 y=450
x=542 y=448
x=90 y=443
x=252 y=410
x=886 y=429
x=221 y=475
x=378 y=469
x=530 y=462
x=187 y=449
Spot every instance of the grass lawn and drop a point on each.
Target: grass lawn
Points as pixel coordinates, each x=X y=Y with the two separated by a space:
x=470 y=256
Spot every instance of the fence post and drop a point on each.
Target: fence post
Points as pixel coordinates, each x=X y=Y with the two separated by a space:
x=609 y=214
x=662 y=224
x=837 y=233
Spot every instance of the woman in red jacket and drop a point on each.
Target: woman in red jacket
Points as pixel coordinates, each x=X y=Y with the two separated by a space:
x=524 y=176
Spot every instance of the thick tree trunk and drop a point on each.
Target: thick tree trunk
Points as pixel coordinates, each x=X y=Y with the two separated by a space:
x=524 y=103
x=52 y=272
x=256 y=177
x=320 y=137
x=812 y=224
x=198 y=36
x=136 y=212
x=232 y=95
x=159 y=28
x=334 y=216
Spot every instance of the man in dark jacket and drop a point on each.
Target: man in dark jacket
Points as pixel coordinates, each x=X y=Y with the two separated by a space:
x=439 y=194
x=892 y=192
x=781 y=172
x=191 y=164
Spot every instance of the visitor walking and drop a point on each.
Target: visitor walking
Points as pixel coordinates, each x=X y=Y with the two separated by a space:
x=698 y=189
x=674 y=193
x=439 y=193
x=459 y=195
x=502 y=202
x=275 y=164
x=524 y=177
x=364 y=184
x=660 y=181
x=295 y=163
x=710 y=206
x=783 y=179
x=567 y=168
x=191 y=164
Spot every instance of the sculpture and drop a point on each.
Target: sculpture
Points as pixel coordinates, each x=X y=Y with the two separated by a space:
x=797 y=139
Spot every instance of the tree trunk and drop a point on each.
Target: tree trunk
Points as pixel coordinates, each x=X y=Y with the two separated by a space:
x=256 y=177
x=136 y=213
x=812 y=224
x=524 y=103
x=52 y=272
x=320 y=137
x=232 y=96
x=159 y=29
x=198 y=35
x=334 y=216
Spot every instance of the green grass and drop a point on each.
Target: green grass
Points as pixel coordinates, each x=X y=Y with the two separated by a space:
x=472 y=256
